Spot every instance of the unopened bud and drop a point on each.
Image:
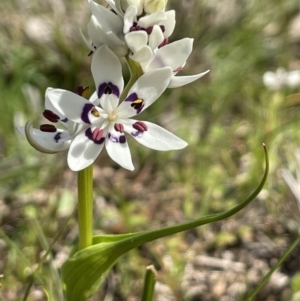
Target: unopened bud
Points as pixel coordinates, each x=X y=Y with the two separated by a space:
x=137 y=3
x=152 y=6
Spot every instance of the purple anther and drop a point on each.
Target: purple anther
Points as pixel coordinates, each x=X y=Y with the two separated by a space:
x=162 y=27
x=97 y=134
x=149 y=30
x=48 y=128
x=85 y=112
x=79 y=90
x=50 y=116
x=140 y=126
x=119 y=127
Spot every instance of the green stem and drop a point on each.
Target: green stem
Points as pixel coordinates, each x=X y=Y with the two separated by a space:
x=149 y=284
x=135 y=72
x=274 y=268
x=85 y=207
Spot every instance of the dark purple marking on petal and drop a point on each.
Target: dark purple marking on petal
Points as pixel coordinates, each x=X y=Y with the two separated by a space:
x=113 y=138
x=119 y=127
x=64 y=120
x=136 y=102
x=49 y=128
x=85 y=112
x=131 y=97
x=162 y=27
x=95 y=136
x=51 y=116
x=137 y=134
x=57 y=137
x=140 y=126
x=108 y=88
x=122 y=139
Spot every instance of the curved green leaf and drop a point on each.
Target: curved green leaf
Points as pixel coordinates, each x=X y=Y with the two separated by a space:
x=85 y=270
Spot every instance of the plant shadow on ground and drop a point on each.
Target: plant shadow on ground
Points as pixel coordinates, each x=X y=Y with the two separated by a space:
x=225 y=117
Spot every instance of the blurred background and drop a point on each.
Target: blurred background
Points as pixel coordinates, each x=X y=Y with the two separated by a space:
x=250 y=96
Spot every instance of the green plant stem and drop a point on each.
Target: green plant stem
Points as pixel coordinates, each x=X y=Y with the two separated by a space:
x=135 y=72
x=149 y=284
x=274 y=268
x=85 y=207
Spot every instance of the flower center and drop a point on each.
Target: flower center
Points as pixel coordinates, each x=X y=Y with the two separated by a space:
x=112 y=116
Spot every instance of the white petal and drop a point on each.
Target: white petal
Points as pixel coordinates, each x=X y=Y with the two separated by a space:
x=148 y=88
x=46 y=142
x=143 y=55
x=83 y=152
x=178 y=81
x=94 y=99
x=119 y=152
x=88 y=44
x=136 y=40
x=155 y=137
x=129 y=18
x=106 y=17
x=116 y=6
x=156 y=37
x=109 y=102
x=152 y=19
x=100 y=35
x=169 y=23
x=173 y=55
x=106 y=68
x=73 y=106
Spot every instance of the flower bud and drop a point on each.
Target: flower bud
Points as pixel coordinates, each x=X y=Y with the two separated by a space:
x=137 y=3
x=152 y=6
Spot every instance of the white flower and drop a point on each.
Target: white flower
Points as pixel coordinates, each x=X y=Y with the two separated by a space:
x=281 y=78
x=146 y=37
x=105 y=28
x=173 y=55
x=50 y=139
x=103 y=121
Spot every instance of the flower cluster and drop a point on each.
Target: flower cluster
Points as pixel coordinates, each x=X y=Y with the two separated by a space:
x=138 y=30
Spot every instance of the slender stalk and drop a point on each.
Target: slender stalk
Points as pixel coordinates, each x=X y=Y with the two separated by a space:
x=135 y=73
x=85 y=207
x=274 y=268
x=149 y=284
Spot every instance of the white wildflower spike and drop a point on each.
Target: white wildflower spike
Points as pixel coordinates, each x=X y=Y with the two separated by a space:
x=104 y=122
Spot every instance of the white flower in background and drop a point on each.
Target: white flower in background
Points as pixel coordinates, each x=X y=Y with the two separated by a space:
x=281 y=78
x=102 y=121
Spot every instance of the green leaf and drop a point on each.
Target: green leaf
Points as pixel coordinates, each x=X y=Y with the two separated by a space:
x=85 y=270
